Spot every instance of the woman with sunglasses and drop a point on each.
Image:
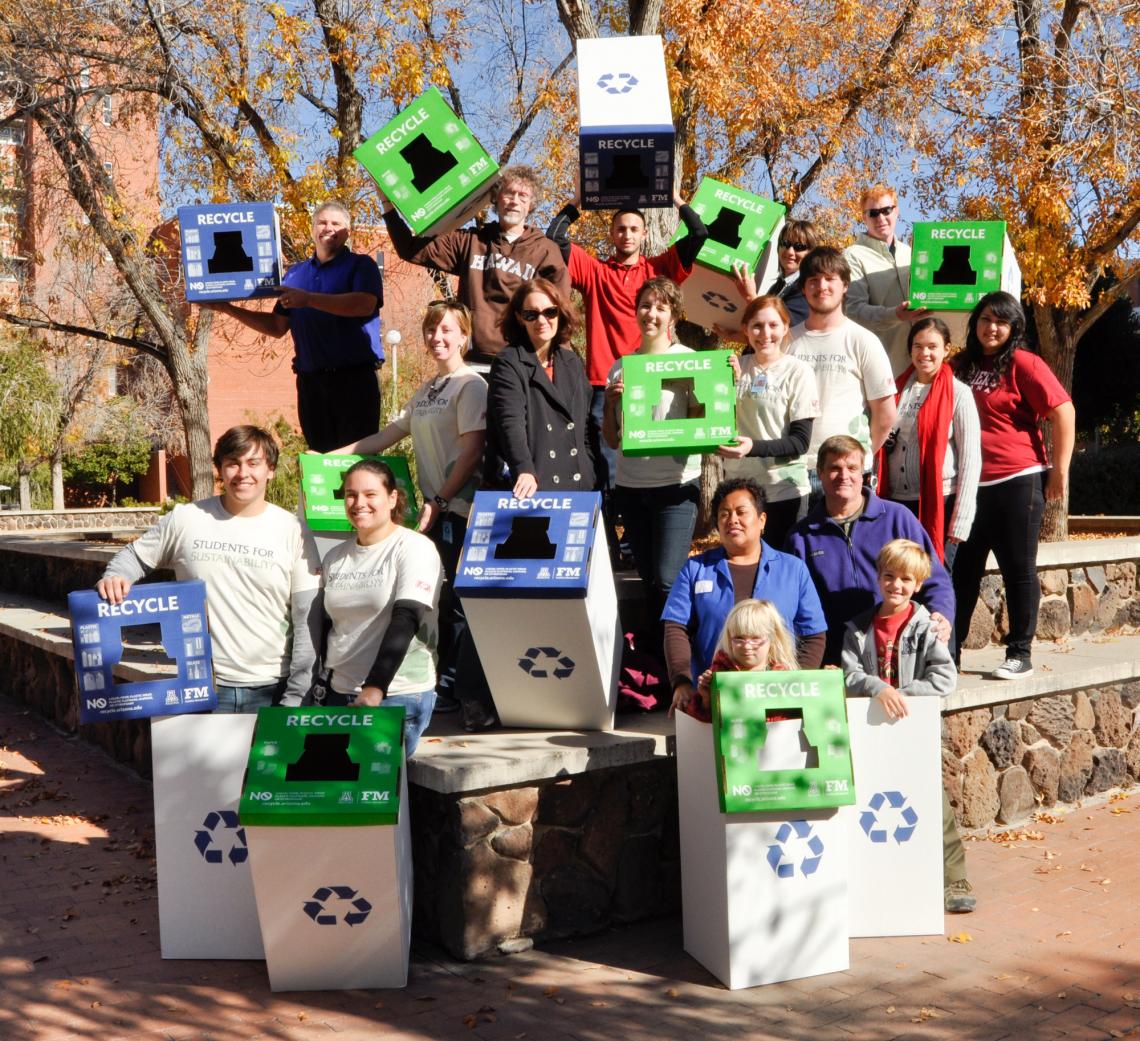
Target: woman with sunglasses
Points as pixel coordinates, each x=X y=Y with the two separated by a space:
x=777 y=402
x=538 y=402
x=797 y=239
x=1014 y=391
x=446 y=418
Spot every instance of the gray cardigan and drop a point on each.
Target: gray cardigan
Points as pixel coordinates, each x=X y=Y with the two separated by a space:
x=925 y=665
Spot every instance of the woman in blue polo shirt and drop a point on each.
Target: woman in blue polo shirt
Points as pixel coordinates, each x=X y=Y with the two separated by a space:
x=743 y=566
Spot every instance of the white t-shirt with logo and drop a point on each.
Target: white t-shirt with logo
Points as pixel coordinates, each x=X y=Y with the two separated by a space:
x=658 y=471
x=362 y=585
x=851 y=368
x=768 y=401
x=251 y=567
x=441 y=411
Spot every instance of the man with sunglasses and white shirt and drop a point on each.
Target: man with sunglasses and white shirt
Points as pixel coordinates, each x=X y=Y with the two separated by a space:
x=880 y=276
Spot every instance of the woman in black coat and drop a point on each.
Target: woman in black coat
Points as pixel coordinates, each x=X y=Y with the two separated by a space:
x=539 y=399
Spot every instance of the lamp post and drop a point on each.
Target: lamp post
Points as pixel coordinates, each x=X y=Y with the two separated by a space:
x=392 y=338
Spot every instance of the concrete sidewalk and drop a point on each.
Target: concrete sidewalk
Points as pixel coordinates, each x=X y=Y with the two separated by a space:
x=1053 y=950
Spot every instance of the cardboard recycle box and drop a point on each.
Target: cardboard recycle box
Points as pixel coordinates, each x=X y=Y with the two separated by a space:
x=429 y=164
x=955 y=263
x=322 y=489
x=625 y=145
x=230 y=251
x=753 y=773
x=325 y=811
x=178 y=609
x=742 y=227
x=705 y=375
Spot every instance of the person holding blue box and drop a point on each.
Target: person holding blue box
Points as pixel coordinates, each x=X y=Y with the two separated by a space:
x=330 y=304
x=261 y=570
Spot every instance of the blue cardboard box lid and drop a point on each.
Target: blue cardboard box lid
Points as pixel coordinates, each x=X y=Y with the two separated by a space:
x=230 y=251
x=537 y=548
x=179 y=609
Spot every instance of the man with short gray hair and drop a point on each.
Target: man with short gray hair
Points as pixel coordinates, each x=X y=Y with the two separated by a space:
x=330 y=304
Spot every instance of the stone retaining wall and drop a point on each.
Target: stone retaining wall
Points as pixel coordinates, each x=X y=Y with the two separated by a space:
x=499 y=869
x=79 y=520
x=1002 y=762
x=1073 y=602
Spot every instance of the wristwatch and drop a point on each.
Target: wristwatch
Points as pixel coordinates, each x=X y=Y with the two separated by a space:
x=440 y=501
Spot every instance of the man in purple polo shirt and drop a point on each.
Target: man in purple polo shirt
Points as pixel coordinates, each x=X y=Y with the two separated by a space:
x=331 y=305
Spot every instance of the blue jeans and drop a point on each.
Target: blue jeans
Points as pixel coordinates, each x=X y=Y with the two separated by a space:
x=659 y=529
x=248 y=699
x=417 y=712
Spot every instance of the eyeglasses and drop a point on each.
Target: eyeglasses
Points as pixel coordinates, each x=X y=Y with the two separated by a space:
x=529 y=314
x=745 y=641
x=799 y=247
x=882 y=211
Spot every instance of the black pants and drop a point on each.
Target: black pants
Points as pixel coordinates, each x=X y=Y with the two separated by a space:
x=337 y=406
x=1008 y=521
x=447 y=534
x=781 y=516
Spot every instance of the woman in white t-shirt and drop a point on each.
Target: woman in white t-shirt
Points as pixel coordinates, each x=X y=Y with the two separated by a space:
x=777 y=402
x=657 y=497
x=380 y=593
x=447 y=419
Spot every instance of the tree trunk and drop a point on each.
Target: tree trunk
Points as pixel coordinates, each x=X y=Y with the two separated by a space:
x=188 y=376
x=1056 y=336
x=57 y=501
x=25 y=488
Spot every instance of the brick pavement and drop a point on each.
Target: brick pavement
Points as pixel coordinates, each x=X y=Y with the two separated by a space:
x=1052 y=952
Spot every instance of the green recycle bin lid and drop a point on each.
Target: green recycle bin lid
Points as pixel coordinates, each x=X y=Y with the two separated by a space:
x=330 y=767
x=322 y=483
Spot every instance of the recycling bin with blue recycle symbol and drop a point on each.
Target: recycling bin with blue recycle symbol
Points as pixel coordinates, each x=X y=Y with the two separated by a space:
x=325 y=811
x=206 y=907
x=894 y=829
x=539 y=595
x=764 y=895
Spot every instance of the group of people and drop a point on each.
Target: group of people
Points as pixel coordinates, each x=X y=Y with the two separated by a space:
x=876 y=466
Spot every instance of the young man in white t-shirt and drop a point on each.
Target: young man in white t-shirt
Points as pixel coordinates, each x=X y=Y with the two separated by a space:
x=852 y=371
x=262 y=574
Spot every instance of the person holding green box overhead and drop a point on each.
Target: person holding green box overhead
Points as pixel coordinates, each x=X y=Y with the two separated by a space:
x=658 y=497
x=446 y=418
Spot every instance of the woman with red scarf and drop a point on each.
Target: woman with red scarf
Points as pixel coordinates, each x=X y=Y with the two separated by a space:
x=932 y=458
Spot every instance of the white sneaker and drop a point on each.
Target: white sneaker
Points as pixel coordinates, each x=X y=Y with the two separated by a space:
x=1013 y=669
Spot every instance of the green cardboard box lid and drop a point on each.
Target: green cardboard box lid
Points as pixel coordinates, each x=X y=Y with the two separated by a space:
x=740 y=224
x=644 y=376
x=953 y=264
x=322 y=478
x=740 y=704
x=429 y=164
x=331 y=767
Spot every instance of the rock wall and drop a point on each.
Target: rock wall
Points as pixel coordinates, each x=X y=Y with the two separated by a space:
x=498 y=869
x=1002 y=762
x=79 y=520
x=1073 y=602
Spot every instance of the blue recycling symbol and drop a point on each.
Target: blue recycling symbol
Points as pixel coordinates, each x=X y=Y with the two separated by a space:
x=207 y=838
x=896 y=802
x=778 y=857
x=322 y=909
x=719 y=301
x=542 y=662
x=617 y=82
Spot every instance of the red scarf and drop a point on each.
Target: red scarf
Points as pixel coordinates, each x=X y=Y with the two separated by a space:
x=934 y=417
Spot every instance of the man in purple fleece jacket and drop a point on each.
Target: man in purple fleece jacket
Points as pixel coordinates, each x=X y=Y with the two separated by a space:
x=840 y=539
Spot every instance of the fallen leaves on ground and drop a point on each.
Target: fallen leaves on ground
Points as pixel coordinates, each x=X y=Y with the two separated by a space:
x=924 y=1014
x=960 y=938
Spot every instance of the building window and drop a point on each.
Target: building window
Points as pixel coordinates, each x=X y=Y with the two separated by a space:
x=108 y=111
x=108 y=168
x=85 y=78
x=13 y=133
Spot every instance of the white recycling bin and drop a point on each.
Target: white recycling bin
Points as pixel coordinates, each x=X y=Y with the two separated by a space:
x=895 y=827
x=206 y=907
x=764 y=895
x=538 y=592
x=325 y=807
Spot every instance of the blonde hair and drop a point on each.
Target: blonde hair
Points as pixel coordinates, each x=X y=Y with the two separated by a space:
x=904 y=557
x=760 y=618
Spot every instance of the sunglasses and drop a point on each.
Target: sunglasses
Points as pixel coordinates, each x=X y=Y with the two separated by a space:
x=530 y=315
x=799 y=247
x=882 y=211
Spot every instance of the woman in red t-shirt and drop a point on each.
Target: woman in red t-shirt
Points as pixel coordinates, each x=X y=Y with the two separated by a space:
x=1014 y=391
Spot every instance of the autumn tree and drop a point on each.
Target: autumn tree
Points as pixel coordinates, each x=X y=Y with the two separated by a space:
x=1045 y=134
x=29 y=409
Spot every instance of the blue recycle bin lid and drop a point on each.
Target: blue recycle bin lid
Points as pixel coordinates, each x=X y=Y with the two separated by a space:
x=538 y=547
